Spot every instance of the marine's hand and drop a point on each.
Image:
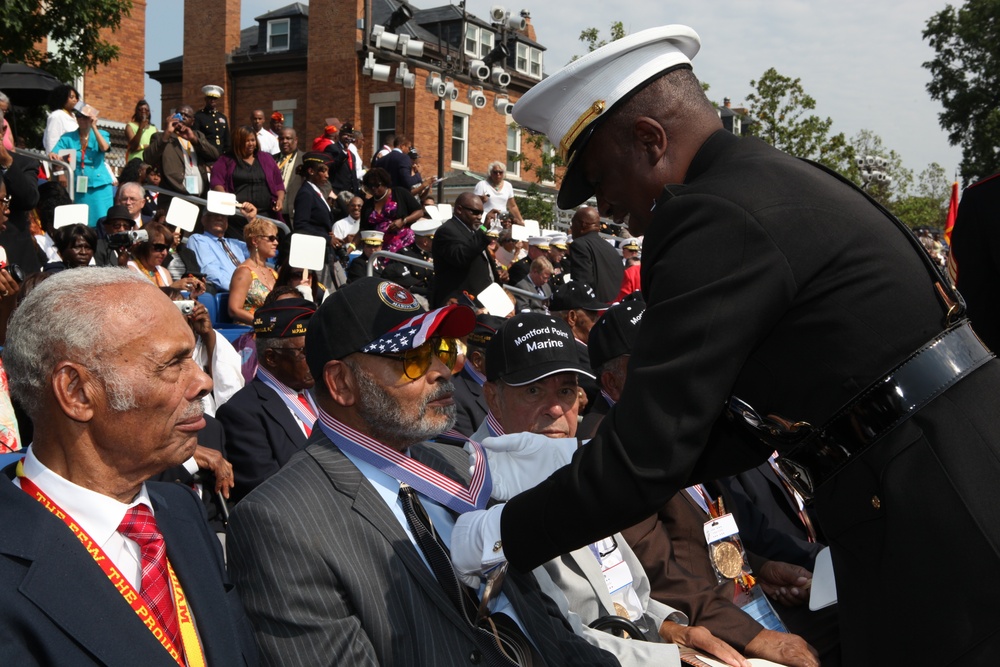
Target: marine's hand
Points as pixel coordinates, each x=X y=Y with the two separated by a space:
x=520 y=461
x=476 y=547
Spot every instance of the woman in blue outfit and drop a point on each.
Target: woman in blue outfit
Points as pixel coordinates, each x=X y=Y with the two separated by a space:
x=90 y=145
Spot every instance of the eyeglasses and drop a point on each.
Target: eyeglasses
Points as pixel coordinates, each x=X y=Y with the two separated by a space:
x=477 y=211
x=417 y=361
x=118 y=225
x=5 y=202
x=295 y=351
x=160 y=247
x=132 y=200
x=272 y=238
x=497 y=172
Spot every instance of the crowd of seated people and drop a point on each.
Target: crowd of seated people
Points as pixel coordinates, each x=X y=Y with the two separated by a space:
x=329 y=357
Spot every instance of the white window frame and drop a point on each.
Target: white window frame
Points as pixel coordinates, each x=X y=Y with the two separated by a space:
x=486 y=41
x=471 y=35
x=379 y=130
x=483 y=40
x=535 y=58
x=460 y=120
x=287 y=35
x=513 y=168
x=521 y=54
x=549 y=150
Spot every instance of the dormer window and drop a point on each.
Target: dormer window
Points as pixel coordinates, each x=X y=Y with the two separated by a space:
x=277 y=35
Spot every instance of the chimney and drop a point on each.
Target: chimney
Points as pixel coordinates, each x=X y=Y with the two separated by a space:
x=725 y=102
x=529 y=30
x=211 y=33
x=334 y=66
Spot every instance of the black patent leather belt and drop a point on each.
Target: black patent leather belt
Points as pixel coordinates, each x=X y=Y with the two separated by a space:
x=811 y=456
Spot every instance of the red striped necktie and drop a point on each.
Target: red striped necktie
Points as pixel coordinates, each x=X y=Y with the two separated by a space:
x=140 y=526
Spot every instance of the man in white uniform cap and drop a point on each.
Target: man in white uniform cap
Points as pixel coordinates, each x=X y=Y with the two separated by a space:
x=786 y=310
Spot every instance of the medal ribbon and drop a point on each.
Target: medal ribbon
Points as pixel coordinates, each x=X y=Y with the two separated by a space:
x=291 y=399
x=403 y=468
x=193 y=652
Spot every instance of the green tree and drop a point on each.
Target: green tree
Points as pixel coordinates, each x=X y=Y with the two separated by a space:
x=928 y=205
x=965 y=78
x=73 y=25
x=779 y=106
x=592 y=37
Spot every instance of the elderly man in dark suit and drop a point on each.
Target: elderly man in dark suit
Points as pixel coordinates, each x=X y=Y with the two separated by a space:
x=778 y=294
x=335 y=554
x=269 y=419
x=98 y=567
x=461 y=261
x=592 y=260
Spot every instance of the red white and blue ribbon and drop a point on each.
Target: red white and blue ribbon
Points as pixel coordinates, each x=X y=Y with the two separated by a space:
x=424 y=479
x=493 y=426
x=290 y=397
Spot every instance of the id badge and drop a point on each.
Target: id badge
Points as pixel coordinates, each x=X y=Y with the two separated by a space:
x=81 y=183
x=191 y=184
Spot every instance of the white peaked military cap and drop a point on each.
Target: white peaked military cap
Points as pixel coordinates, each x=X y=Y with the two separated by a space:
x=569 y=105
x=425 y=227
x=212 y=91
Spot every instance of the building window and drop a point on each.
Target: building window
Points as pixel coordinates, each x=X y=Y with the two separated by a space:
x=548 y=177
x=513 y=150
x=535 y=63
x=459 y=139
x=528 y=61
x=478 y=41
x=385 y=124
x=277 y=35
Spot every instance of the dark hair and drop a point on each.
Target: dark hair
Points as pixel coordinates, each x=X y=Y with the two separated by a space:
x=130 y=172
x=50 y=195
x=66 y=237
x=153 y=229
x=135 y=114
x=375 y=177
x=59 y=96
x=278 y=292
x=240 y=136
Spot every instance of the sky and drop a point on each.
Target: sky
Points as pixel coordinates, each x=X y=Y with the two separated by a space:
x=860 y=60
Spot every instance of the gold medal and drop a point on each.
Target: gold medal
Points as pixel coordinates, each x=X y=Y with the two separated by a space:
x=728 y=560
x=620 y=610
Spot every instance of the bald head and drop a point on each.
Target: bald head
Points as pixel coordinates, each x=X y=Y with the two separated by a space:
x=585 y=220
x=469 y=209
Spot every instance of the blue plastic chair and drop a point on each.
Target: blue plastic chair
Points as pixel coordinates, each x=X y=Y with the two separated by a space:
x=222 y=308
x=208 y=300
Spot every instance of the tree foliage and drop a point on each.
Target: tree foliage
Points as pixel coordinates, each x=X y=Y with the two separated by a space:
x=73 y=26
x=965 y=78
x=592 y=37
x=779 y=106
x=927 y=206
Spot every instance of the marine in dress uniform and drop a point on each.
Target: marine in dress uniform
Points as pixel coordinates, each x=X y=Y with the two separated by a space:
x=211 y=122
x=774 y=287
x=358 y=268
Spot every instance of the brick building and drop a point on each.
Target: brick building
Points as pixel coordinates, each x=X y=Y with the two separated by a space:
x=309 y=62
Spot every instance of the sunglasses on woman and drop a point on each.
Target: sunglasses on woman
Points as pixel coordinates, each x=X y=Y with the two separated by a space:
x=417 y=362
x=272 y=238
x=160 y=247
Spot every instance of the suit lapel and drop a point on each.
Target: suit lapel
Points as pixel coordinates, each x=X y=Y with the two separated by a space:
x=65 y=583
x=369 y=505
x=276 y=407
x=584 y=561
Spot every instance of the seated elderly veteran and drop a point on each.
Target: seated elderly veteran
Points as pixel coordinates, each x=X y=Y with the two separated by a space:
x=269 y=420
x=576 y=304
x=341 y=555
x=532 y=370
x=671 y=544
x=98 y=567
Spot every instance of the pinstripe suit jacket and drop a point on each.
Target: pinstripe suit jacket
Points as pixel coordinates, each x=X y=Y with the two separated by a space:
x=329 y=577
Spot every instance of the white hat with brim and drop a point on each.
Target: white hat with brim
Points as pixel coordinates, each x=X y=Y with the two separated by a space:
x=425 y=227
x=540 y=242
x=372 y=237
x=212 y=91
x=567 y=106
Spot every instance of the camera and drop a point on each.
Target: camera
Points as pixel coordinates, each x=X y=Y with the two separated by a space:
x=186 y=307
x=14 y=270
x=120 y=240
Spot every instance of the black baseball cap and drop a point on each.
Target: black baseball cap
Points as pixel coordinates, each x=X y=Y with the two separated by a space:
x=614 y=334
x=373 y=315
x=486 y=326
x=118 y=212
x=531 y=346
x=576 y=294
x=285 y=318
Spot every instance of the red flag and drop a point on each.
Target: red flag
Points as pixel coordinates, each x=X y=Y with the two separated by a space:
x=952 y=213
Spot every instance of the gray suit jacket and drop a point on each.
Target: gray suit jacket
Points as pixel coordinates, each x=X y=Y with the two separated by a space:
x=329 y=577
x=523 y=303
